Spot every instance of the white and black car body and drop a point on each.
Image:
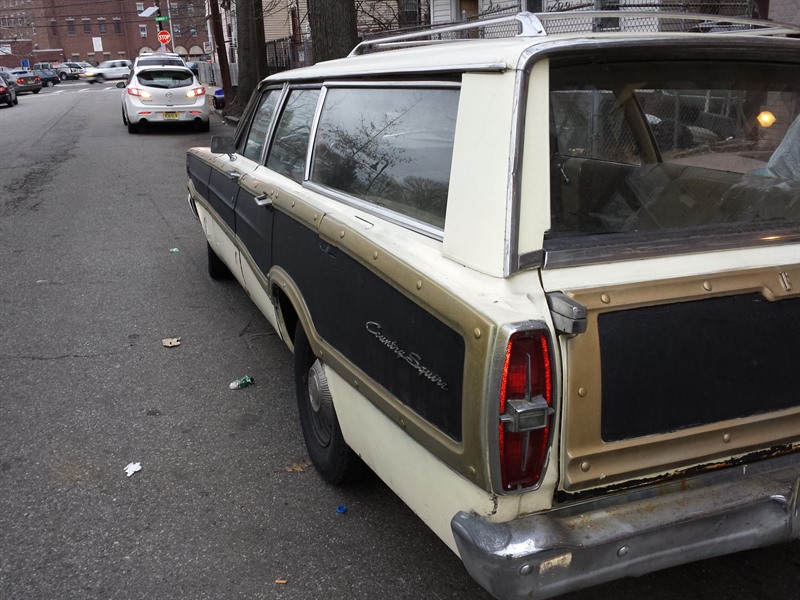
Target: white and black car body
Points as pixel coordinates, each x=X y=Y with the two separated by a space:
x=568 y=343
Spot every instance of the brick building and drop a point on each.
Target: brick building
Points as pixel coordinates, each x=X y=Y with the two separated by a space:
x=96 y=30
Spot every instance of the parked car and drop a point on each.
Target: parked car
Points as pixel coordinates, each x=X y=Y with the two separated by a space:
x=545 y=286
x=158 y=59
x=163 y=95
x=26 y=81
x=111 y=69
x=69 y=70
x=48 y=77
x=8 y=94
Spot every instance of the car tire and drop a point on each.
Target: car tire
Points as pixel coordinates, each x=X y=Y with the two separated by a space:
x=217 y=269
x=101 y=79
x=16 y=100
x=330 y=454
x=10 y=103
x=49 y=83
x=36 y=91
x=133 y=127
x=204 y=126
x=124 y=117
x=62 y=76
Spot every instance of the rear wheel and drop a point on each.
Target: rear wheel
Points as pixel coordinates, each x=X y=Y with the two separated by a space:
x=204 y=126
x=216 y=268
x=62 y=76
x=331 y=456
x=133 y=127
x=49 y=83
x=10 y=102
x=37 y=91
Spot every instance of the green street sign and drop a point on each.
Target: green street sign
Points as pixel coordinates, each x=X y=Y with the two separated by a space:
x=162 y=19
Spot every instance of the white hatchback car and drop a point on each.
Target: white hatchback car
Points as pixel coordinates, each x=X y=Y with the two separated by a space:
x=163 y=95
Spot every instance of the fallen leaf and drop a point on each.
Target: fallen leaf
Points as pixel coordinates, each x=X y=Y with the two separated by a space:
x=281 y=581
x=171 y=342
x=298 y=467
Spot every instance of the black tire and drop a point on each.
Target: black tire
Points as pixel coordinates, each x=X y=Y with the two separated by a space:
x=49 y=83
x=16 y=100
x=133 y=127
x=124 y=117
x=216 y=268
x=37 y=91
x=101 y=79
x=10 y=104
x=204 y=126
x=331 y=456
x=62 y=76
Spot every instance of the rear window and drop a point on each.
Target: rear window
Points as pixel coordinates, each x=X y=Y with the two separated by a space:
x=655 y=147
x=166 y=78
x=390 y=147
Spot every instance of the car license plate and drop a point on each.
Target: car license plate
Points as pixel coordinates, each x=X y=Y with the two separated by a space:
x=170 y=115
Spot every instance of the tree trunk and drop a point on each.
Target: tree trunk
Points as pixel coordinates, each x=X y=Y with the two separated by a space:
x=222 y=52
x=333 y=28
x=252 y=52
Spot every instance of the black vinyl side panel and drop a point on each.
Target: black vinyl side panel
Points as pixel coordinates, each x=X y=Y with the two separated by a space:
x=416 y=357
x=665 y=368
x=199 y=172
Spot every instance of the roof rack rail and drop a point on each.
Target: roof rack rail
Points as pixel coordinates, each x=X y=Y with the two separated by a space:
x=539 y=24
x=528 y=24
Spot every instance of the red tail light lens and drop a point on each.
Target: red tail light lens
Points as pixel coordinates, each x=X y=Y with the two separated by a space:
x=196 y=92
x=526 y=413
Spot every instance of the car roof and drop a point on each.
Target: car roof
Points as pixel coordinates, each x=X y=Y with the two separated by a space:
x=538 y=33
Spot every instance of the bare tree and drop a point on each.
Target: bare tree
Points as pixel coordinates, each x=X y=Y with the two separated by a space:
x=252 y=57
x=333 y=28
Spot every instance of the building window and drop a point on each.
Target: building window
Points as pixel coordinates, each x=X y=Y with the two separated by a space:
x=140 y=7
x=176 y=30
x=87 y=27
x=101 y=25
x=193 y=31
x=143 y=31
x=70 y=26
x=190 y=10
x=54 y=26
x=173 y=7
x=117 y=25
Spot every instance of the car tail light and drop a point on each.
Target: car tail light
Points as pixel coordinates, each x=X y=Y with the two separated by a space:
x=137 y=92
x=196 y=92
x=37 y=78
x=526 y=409
x=3 y=89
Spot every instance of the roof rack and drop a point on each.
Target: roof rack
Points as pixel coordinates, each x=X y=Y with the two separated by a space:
x=527 y=24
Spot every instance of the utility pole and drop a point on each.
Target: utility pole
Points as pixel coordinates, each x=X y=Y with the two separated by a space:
x=222 y=52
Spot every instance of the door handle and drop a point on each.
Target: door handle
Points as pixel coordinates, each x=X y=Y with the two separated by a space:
x=264 y=199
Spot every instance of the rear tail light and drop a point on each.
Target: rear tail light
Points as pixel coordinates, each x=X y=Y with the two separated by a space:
x=3 y=89
x=526 y=410
x=196 y=92
x=37 y=78
x=139 y=93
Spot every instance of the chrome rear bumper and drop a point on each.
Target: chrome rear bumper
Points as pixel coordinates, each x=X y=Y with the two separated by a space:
x=634 y=533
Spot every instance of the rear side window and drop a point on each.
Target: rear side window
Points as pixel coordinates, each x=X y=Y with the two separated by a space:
x=166 y=78
x=252 y=145
x=391 y=147
x=290 y=144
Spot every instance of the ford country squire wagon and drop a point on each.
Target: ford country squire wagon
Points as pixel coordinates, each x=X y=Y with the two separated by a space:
x=546 y=286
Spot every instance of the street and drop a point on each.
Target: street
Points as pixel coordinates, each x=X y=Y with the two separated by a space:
x=100 y=259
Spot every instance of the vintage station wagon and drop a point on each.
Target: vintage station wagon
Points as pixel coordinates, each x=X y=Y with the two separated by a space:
x=546 y=286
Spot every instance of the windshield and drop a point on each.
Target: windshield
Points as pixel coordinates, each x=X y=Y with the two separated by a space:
x=657 y=146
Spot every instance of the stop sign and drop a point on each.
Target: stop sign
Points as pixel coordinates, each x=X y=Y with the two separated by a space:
x=164 y=37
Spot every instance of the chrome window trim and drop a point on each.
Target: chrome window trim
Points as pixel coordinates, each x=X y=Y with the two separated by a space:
x=391 y=216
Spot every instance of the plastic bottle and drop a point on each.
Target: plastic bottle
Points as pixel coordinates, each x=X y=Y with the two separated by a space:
x=242 y=382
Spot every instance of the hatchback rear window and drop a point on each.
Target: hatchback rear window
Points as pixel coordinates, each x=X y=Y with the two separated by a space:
x=166 y=78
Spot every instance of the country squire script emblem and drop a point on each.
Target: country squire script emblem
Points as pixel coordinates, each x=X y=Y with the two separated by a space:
x=413 y=359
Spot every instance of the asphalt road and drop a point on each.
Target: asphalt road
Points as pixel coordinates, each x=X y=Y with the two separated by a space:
x=101 y=258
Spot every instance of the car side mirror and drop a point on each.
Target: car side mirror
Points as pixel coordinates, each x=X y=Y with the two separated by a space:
x=120 y=84
x=221 y=144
